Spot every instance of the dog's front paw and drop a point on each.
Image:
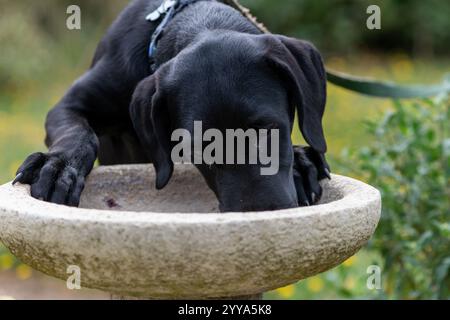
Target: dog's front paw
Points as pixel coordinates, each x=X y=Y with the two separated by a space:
x=310 y=168
x=52 y=179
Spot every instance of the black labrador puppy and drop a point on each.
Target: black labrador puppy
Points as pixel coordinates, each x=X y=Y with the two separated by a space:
x=212 y=65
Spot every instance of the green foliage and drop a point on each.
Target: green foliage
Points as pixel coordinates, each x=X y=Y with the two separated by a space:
x=35 y=38
x=347 y=281
x=340 y=26
x=408 y=161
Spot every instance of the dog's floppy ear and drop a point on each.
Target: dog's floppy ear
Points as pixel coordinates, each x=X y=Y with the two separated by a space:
x=151 y=122
x=301 y=64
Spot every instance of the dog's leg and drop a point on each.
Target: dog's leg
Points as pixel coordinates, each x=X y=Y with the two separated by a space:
x=58 y=176
x=310 y=167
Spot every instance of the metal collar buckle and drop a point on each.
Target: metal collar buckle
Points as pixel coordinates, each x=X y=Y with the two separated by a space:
x=163 y=8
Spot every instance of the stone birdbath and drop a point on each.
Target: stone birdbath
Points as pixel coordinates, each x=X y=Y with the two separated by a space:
x=133 y=241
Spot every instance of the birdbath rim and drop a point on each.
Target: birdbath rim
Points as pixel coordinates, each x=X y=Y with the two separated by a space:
x=351 y=195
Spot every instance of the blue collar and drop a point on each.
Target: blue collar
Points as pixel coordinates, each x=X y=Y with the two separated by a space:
x=166 y=11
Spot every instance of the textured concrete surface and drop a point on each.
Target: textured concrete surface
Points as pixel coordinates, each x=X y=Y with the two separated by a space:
x=163 y=244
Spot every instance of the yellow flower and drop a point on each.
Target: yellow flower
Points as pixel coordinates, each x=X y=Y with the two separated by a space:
x=286 y=292
x=315 y=284
x=350 y=283
x=23 y=272
x=350 y=261
x=6 y=262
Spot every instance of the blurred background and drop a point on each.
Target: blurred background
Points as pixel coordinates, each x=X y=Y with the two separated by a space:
x=402 y=148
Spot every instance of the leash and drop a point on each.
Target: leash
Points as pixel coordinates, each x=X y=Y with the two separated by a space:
x=366 y=86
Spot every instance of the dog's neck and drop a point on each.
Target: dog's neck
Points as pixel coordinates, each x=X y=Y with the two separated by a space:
x=200 y=17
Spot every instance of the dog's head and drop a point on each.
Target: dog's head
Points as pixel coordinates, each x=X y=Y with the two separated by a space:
x=236 y=81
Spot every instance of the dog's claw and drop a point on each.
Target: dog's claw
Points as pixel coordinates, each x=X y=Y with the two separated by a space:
x=17 y=179
x=313 y=197
x=327 y=173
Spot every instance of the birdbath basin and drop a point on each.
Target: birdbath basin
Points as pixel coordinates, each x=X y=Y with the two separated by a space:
x=133 y=241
